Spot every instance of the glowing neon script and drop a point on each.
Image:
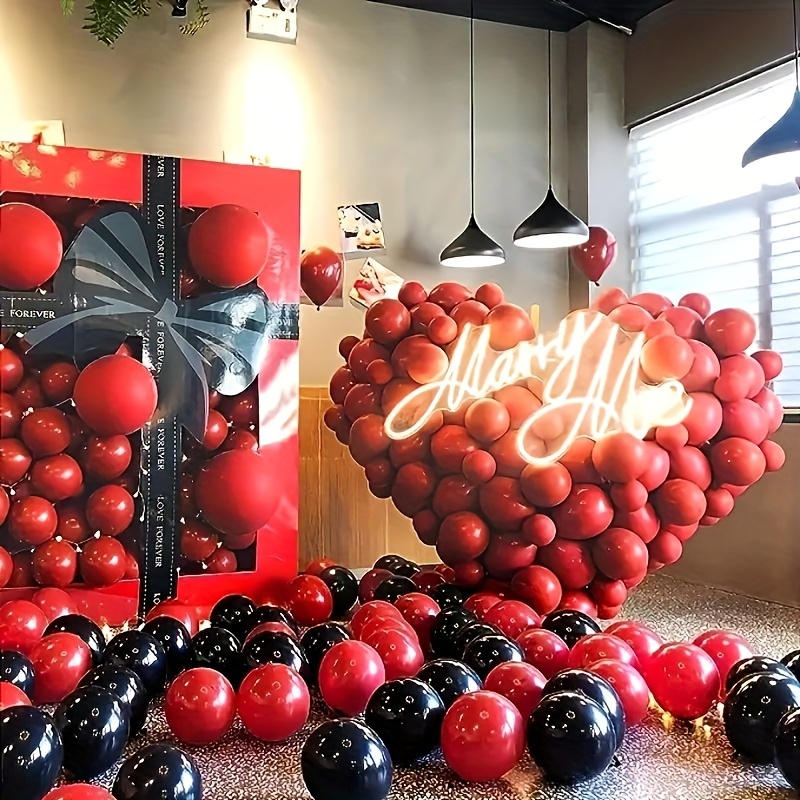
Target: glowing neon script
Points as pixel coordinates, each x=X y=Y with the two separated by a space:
x=586 y=379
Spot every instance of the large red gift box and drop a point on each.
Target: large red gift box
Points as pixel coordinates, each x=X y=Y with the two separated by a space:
x=73 y=186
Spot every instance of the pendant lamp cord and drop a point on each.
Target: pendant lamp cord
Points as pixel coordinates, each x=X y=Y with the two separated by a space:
x=549 y=108
x=472 y=105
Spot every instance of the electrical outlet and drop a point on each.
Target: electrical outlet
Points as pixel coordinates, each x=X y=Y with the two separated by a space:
x=273 y=20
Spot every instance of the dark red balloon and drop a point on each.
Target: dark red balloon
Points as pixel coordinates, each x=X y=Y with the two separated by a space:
x=110 y=510
x=55 y=602
x=320 y=274
x=46 y=432
x=32 y=519
x=54 y=563
x=273 y=702
x=309 y=600
x=10 y=414
x=512 y=617
x=57 y=477
x=596 y=254
x=198 y=541
x=106 y=458
x=59 y=661
x=22 y=624
x=58 y=381
x=349 y=674
x=683 y=679
x=200 y=706
x=519 y=682
x=102 y=561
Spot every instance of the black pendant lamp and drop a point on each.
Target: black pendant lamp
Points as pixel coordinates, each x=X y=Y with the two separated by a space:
x=472 y=248
x=552 y=225
x=777 y=150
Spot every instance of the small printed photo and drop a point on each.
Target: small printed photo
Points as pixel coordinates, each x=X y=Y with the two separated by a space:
x=361 y=229
x=373 y=283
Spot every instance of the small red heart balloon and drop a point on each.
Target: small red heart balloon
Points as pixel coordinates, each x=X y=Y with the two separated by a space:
x=596 y=254
x=320 y=274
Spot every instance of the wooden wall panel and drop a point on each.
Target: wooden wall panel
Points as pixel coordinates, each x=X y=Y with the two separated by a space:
x=339 y=518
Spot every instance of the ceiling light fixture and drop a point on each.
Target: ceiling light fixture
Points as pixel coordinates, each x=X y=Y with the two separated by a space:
x=777 y=151
x=472 y=248
x=552 y=225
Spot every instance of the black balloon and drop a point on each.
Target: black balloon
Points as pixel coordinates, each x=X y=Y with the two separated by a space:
x=570 y=625
x=273 y=614
x=344 y=588
x=787 y=747
x=159 y=771
x=752 y=711
x=17 y=669
x=345 y=760
x=85 y=629
x=448 y=596
x=755 y=665
x=127 y=686
x=391 y=562
x=31 y=753
x=94 y=728
x=233 y=612
x=445 y=629
x=219 y=649
x=470 y=632
x=275 y=648
x=450 y=679
x=317 y=641
x=407 y=570
x=485 y=652
x=142 y=653
x=392 y=589
x=172 y=635
x=407 y=714
x=570 y=737
x=594 y=687
x=792 y=661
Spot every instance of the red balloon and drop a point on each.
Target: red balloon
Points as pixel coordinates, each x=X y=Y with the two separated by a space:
x=773 y=453
x=197 y=541
x=704 y=418
x=545 y=650
x=658 y=467
x=108 y=458
x=630 y=496
x=463 y=536
x=241 y=410
x=46 y=432
x=21 y=573
x=349 y=674
x=745 y=418
x=33 y=520
x=229 y=245
x=546 y=485
x=309 y=600
x=503 y=503
x=72 y=524
x=697 y=302
x=368 y=439
x=57 y=477
x=442 y=329
x=483 y=736
x=419 y=611
x=102 y=561
x=480 y=603
x=30 y=247
x=222 y=560
x=773 y=407
x=59 y=661
x=78 y=791
x=373 y=609
x=620 y=457
x=652 y=302
x=770 y=362
x=740 y=376
x=578 y=600
x=115 y=395
x=705 y=369
x=235 y=492
x=519 y=682
x=512 y=617
x=539 y=530
x=110 y=510
x=6 y=567
x=683 y=679
x=240 y=440
x=690 y=464
x=666 y=357
x=177 y=610
x=54 y=563
x=369 y=582
x=606 y=300
x=399 y=651
x=10 y=413
x=686 y=322
x=487 y=420
x=630 y=317
x=736 y=461
x=730 y=331
x=506 y=554
x=490 y=294
x=387 y=321
x=479 y=467
x=58 y=381
x=412 y=293
x=538 y=587
x=11 y=369
x=470 y=312
x=200 y=706
x=570 y=560
x=418 y=358
x=29 y=393
x=643 y=640
x=21 y=626
x=216 y=430
x=680 y=502
x=509 y=325
x=448 y=295
x=11 y=695
x=321 y=272
x=599 y=646
x=726 y=649
x=628 y=684
x=273 y=702
x=596 y=254
x=585 y=513
x=607 y=592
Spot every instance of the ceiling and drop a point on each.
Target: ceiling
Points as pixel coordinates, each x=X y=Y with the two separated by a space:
x=557 y=15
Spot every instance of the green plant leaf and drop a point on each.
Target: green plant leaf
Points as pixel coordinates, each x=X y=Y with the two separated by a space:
x=199 y=18
x=106 y=20
x=67 y=7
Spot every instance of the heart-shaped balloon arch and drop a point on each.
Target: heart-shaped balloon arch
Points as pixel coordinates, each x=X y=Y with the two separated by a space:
x=567 y=466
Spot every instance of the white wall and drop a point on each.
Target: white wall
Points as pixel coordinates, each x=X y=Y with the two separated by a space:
x=371 y=104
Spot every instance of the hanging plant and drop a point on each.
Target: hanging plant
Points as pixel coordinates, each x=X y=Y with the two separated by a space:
x=107 y=20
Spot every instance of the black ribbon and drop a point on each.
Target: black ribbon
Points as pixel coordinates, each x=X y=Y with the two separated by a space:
x=121 y=277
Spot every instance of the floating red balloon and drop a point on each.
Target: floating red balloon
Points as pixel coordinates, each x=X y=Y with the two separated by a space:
x=596 y=254
x=320 y=274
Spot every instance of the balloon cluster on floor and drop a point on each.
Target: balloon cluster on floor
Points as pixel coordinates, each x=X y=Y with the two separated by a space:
x=429 y=666
x=69 y=438
x=582 y=531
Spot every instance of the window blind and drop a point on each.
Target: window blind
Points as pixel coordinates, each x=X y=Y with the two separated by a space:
x=701 y=223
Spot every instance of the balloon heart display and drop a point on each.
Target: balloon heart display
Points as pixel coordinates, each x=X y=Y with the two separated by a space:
x=565 y=467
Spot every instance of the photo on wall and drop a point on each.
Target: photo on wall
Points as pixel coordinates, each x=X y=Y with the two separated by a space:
x=361 y=229
x=373 y=283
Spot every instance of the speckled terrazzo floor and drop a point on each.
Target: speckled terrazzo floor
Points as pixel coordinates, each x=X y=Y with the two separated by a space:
x=653 y=764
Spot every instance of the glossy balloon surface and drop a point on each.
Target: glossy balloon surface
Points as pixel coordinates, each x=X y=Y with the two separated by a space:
x=32 y=753
x=345 y=760
x=234 y=613
x=343 y=586
x=84 y=628
x=392 y=589
x=349 y=674
x=200 y=706
x=792 y=660
x=753 y=666
x=787 y=747
x=11 y=696
x=219 y=649
x=317 y=641
x=407 y=715
x=127 y=686
x=59 y=661
x=17 y=669
x=489 y=650
x=275 y=648
x=570 y=625
x=94 y=726
x=142 y=653
x=570 y=737
x=450 y=679
x=448 y=596
x=273 y=702
x=683 y=679
x=159 y=771
x=172 y=635
x=445 y=629
x=269 y=613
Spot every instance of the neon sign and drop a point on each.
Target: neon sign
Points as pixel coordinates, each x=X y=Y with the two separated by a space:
x=586 y=378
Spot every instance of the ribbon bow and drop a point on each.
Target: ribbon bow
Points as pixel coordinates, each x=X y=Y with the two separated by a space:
x=109 y=282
